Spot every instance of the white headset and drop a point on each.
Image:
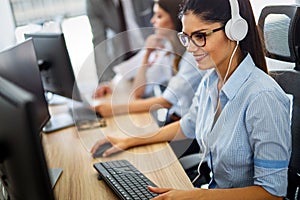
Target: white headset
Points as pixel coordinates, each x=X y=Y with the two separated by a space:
x=236 y=28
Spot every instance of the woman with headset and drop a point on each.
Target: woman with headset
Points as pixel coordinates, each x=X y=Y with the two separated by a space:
x=239 y=115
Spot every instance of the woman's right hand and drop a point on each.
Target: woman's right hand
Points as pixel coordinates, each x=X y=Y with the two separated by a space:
x=102 y=91
x=104 y=109
x=154 y=42
x=118 y=144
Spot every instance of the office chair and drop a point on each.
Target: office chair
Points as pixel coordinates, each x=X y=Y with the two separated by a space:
x=289 y=80
x=280 y=26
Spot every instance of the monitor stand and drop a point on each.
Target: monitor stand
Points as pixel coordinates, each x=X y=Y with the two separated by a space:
x=54 y=99
x=54 y=174
x=58 y=122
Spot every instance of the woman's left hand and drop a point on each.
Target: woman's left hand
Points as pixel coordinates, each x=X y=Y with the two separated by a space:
x=168 y=193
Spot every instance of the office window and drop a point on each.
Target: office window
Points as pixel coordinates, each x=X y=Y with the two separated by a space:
x=39 y=11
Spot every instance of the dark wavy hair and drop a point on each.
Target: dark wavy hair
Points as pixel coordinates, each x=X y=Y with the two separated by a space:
x=213 y=11
x=172 y=7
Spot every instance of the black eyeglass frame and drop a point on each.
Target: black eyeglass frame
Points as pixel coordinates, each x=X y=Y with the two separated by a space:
x=205 y=34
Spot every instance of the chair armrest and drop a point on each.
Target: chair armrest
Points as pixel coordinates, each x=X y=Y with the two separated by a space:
x=190 y=161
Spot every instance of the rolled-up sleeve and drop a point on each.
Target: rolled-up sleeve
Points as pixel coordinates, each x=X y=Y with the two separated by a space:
x=171 y=92
x=270 y=138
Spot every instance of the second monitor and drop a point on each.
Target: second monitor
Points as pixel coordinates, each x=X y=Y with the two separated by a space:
x=58 y=76
x=55 y=65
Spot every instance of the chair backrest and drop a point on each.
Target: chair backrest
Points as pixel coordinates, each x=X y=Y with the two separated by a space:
x=289 y=80
x=280 y=26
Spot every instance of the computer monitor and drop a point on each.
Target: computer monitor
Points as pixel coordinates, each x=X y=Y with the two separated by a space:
x=23 y=168
x=58 y=76
x=18 y=65
x=55 y=65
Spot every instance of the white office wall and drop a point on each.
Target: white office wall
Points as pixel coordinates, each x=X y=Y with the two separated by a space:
x=7 y=36
x=258 y=5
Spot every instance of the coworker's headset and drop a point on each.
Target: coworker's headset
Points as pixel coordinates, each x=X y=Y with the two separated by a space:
x=236 y=28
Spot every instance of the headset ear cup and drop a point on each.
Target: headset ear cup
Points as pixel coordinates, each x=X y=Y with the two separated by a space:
x=228 y=29
x=236 y=29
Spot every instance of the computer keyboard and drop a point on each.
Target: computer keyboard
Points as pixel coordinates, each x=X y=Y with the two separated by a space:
x=85 y=118
x=125 y=180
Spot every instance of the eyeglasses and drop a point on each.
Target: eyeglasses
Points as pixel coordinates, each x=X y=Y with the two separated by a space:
x=197 y=37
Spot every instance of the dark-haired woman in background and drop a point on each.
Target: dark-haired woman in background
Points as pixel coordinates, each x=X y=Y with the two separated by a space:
x=158 y=60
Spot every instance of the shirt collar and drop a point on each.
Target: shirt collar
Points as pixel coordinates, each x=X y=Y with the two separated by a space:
x=210 y=77
x=236 y=80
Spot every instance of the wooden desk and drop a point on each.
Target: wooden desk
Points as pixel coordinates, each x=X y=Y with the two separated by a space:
x=69 y=149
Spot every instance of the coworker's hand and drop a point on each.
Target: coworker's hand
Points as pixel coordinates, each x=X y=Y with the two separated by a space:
x=118 y=143
x=104 y=109
x=168 y=193
x=154 y=42
x=102 y=91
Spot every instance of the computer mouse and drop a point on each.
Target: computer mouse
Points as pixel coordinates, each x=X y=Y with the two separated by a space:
x=101 y=150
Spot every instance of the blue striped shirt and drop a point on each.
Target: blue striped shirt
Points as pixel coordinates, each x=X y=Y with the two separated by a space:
x=250 y=143
x=183 y=86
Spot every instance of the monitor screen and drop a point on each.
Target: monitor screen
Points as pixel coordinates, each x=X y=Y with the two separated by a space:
x=23 y=168
x=55 y=65
x=18 y=65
